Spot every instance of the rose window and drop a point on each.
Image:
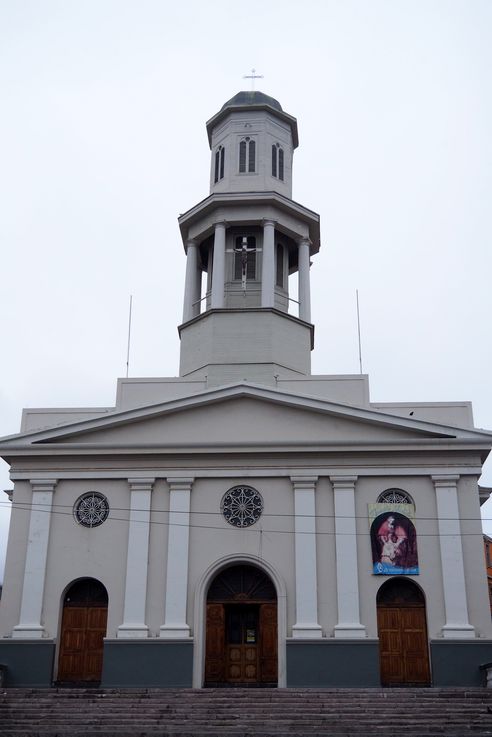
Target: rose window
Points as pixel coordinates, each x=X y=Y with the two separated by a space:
x=242 y=506
x=91 y=509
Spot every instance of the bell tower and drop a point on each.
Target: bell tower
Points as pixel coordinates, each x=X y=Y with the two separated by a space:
x=242 y=242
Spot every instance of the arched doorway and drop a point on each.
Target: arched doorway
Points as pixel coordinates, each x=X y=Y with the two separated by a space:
x=402 y=629
x=241 y=632
x=84 y=620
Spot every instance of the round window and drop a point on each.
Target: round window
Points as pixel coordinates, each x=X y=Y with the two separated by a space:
x=91 y=509
x=242 y=506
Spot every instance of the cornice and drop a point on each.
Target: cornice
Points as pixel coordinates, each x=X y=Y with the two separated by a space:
x=234 y=199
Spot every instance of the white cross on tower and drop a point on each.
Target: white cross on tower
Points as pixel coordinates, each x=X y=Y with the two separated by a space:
x=252 y=77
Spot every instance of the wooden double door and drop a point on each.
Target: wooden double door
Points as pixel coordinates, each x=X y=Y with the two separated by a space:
x=402 y=629
x=241 y=631
x=84 y=622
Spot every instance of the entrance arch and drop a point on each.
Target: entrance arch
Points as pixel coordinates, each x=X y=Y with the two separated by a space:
x=402 y=630
x=241 y=628
x=83 y=628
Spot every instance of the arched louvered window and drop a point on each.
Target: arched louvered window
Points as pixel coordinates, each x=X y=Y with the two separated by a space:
x=277 y=161
x=247 y=155
x=219 y=164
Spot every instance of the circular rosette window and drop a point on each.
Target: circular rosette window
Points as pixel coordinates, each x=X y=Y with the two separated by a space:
x=91 y=509
x=242 y=506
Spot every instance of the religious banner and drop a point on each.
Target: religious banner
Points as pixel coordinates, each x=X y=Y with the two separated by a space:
x=393 y=539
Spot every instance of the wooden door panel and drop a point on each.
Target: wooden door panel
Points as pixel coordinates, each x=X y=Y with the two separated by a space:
x=241 y=630
x=242 y=635
x=97 y=618
x=268 y=643
x=403 y=645
x=81 y=643
x=242 y=664
x=250 y=663
x=215 y=643
x=73 y=640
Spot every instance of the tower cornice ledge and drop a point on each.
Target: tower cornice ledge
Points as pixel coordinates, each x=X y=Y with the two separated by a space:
x=200 y=217
x=242 y=310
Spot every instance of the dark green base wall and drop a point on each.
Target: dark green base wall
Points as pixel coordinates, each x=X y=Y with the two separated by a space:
x=310 y=664
x=333 y=663
x=28 y=663
x=147 y=663
x=457 y=662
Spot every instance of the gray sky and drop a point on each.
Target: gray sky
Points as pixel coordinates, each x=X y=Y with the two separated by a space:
x=103 y=144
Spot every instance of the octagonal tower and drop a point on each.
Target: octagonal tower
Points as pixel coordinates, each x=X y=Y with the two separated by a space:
x=247 y=237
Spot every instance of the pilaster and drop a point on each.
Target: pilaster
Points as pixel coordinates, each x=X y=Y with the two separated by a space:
x=453 y=570
x=30 y=626
x=306 y=625
x=137 y=560
x=175 y=626
x=348 y=626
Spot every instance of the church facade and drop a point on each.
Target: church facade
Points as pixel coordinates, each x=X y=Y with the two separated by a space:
x=247 y=522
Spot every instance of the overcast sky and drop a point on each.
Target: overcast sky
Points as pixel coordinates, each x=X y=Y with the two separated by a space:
x=103 y=144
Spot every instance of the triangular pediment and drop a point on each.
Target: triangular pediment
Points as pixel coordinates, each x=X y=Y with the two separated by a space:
x=241 y=415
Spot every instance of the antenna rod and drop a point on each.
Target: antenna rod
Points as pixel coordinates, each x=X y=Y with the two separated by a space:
x=358 y=329
x=129 y=333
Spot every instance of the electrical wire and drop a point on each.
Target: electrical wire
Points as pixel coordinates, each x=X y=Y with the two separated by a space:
x=250 y=529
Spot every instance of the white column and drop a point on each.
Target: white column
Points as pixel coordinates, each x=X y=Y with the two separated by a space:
x=191 y=304
x=197 y=304
x=306 y=625
x=218 y=272
x=348 y=625
x=137 y=560
x=268 y=265
x=30 y=626
x=453 y=570
x=175 y=625
x=304 y=281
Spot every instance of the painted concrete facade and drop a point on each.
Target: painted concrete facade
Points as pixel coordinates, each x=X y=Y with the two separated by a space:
x=245 y=410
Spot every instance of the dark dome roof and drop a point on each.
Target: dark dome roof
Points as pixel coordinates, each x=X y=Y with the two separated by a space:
x=252 y=98
x=255 y=101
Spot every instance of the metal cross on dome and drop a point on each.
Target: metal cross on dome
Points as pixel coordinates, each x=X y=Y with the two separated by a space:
x=252 y=77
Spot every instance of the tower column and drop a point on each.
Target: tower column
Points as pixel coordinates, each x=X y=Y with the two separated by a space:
x=348 y=625
x=191 y=304
x=453 y=571
x=304 y=280
x=306 y=625
x=175 y=625
x=137 y=560
x=218 y=274
x=268 y=265
x=30 y=626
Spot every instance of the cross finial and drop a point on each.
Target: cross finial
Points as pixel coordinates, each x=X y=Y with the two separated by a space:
x=252 y=77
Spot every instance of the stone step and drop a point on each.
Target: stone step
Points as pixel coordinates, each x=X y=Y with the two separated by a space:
x=245 y=713
x=442 y=732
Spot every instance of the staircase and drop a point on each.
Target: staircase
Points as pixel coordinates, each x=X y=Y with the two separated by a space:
x=64 y=712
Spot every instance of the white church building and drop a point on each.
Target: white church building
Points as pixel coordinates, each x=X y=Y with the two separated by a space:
x=247 y=522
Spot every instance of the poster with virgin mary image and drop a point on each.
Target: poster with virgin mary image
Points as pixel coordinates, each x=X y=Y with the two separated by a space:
x=393 y=539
